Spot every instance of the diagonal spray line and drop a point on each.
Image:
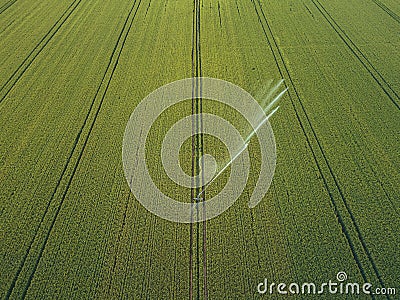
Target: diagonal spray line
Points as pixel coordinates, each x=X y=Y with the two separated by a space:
x=271 y=92
x=226 y=166
x=267 y=109
x=260 y=124
x=240 y=151
x=262 y=92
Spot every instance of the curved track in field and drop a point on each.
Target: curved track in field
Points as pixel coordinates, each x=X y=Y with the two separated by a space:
x=7 y=87
x=380 y=80
x=386 y=9
x=317 y=151
x=7 y=6
x=93 y=111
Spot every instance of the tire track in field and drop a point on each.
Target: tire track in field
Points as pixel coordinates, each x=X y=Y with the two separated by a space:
x=7 y=6
x=339 y=28
x=376 y=75
x=386 y=9
x=349 y=43
x=283 y=70
x=201 y=153
x=197 y=152
x=219 y=14
x=193 y=141
x=388 y=91
x=120 y=233
x=14 y=78
x=93 y=110
x=194 y=235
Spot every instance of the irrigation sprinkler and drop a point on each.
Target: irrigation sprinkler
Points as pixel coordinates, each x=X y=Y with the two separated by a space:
x=247 y=141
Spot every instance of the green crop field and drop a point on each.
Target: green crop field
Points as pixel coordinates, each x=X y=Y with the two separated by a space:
x=73 y=71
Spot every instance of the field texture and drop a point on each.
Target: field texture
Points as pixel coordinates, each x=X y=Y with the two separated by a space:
x=72 y=72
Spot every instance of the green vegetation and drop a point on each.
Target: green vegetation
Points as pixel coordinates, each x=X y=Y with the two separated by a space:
x=72 y=72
